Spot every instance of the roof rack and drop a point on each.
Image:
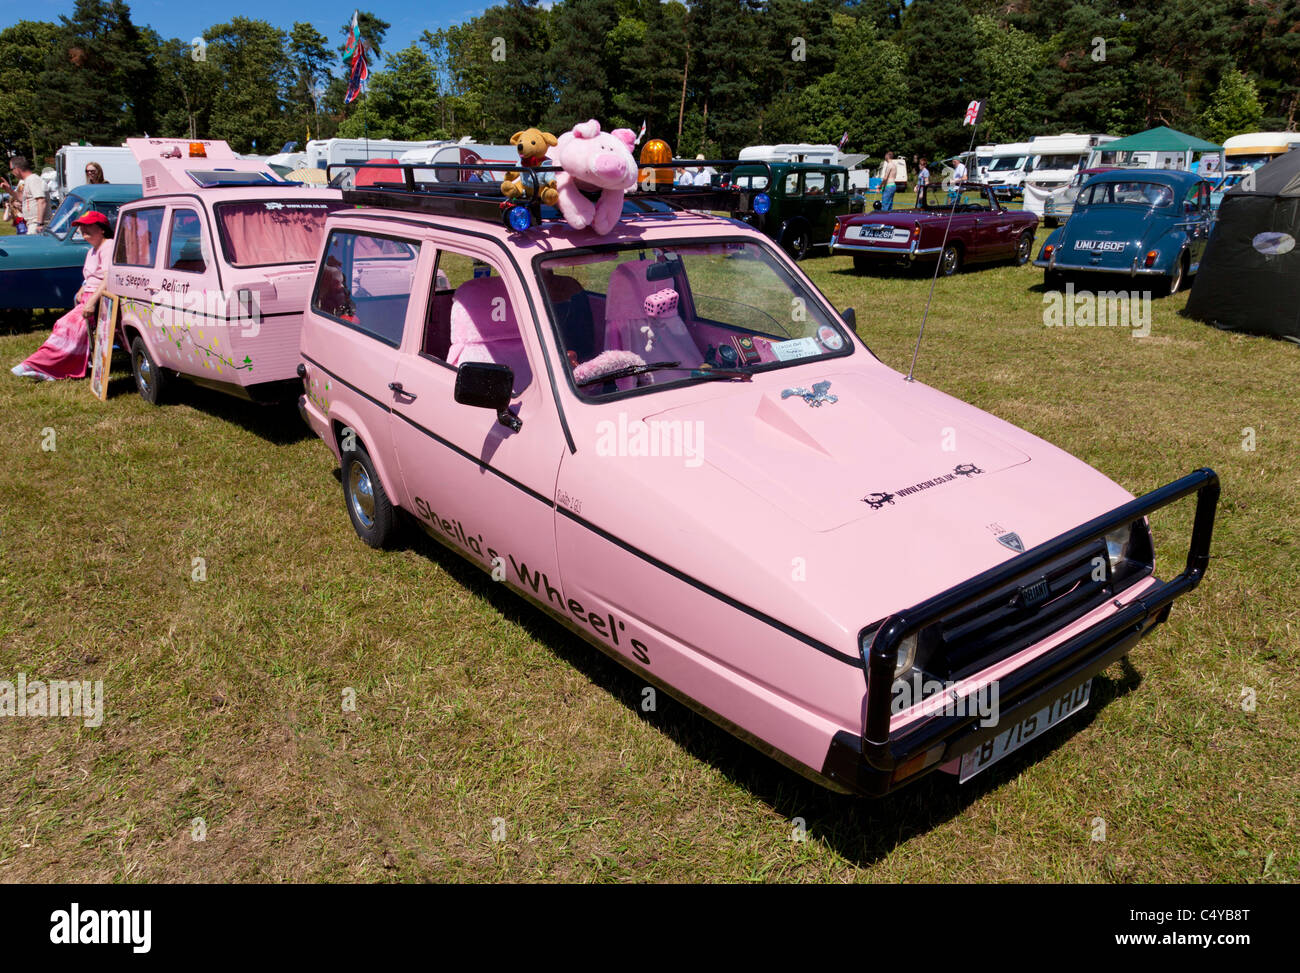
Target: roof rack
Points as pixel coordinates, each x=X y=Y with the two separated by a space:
x=473 y=191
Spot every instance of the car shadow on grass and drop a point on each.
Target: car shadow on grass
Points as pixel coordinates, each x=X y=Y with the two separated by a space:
x=861 y=830
x=279 y=424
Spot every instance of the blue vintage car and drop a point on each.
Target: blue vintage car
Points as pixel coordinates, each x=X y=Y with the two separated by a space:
x=43 y=270
x=1133 y=222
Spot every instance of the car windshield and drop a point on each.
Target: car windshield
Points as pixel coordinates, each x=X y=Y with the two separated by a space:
x=643 y=318
x=273 y=231
x=1126 y=194
x=1004 y=163
x=72 y=209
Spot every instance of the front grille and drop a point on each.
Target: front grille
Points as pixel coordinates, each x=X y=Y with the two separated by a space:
x=1017 y=615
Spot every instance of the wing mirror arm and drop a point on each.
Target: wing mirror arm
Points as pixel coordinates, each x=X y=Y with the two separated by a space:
x=487 y=385
x=850 y=317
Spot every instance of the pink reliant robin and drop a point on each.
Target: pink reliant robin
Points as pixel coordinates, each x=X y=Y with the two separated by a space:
x=665 y=436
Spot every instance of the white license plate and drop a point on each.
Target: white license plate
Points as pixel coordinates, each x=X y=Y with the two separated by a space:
x=876 y=233
x=995 y=748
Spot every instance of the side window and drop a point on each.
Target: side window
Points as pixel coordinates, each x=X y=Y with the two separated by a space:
x=791 y=184
x=185 y=242
x=365 y=281
x=835 y=183
x=814 y=183
x=471 y=318
x=137 y=237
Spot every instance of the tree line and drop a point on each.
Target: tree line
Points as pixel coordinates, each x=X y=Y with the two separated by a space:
x=708 y=76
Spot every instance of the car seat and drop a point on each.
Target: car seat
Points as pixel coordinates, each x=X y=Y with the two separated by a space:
x=628 y=326
x=484 y=329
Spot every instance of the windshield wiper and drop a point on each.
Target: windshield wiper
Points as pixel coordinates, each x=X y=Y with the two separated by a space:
x=630 y=371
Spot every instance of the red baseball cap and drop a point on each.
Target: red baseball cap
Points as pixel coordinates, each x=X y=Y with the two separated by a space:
x=94 y=216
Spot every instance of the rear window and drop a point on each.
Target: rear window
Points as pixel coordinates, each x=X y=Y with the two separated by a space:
x=269 y=232
x=137 y=237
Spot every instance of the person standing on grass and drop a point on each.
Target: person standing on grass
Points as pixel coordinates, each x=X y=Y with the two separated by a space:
x=66 y=351
x=35 y=194
x=922 y=183
x=888 y=182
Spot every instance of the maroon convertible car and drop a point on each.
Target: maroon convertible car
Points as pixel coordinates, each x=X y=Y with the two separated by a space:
x=980 y=231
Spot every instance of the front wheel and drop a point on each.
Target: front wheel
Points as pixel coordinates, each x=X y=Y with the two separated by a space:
x=149 y=378
x=369 y=508
x=950 y=260
x=1024 y=247
x=797 y=243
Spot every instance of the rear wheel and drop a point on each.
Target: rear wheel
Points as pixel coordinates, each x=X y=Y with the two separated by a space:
x=950 y=260
x=1024 y=247
x=149 y=378
x=1174 y=282
x=369 y=508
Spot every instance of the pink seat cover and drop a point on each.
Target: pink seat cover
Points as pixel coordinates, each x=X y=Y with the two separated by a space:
x=626 y=317
x=484 y=329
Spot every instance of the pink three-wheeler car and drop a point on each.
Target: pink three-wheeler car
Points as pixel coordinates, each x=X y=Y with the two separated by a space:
x=212 y=267
x=667 y=438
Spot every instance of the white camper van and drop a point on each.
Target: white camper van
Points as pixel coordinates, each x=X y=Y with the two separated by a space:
x=1007 y=166
x=1055 y=160
x=327 y=152
x=823 y=154
x=118 y=163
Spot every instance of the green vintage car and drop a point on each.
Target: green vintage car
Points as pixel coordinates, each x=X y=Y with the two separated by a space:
x=43 y=270
x=806 y=198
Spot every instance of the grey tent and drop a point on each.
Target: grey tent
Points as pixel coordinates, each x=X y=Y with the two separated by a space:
x=1249 y=278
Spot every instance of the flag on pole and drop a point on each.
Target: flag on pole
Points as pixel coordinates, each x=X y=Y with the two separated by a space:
x=359 y=70
x=974 y=113
x=843 y=138
x=640 y=135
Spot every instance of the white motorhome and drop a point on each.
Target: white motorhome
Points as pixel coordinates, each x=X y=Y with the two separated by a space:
x=327 y=152
x=1254 y=149
x=464 y=152
x=1007 y=166
x=118 y=163
x=1056 y=158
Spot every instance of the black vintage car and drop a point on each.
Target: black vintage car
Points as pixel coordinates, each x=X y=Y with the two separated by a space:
x=806 y=198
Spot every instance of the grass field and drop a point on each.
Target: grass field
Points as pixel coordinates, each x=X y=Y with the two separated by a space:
x=223 y=697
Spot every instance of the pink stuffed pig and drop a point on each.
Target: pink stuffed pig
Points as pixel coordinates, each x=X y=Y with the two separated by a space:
x=594 y=162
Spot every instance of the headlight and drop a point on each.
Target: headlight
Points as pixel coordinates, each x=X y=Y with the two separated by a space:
x=906 y=650
x=1117 y=547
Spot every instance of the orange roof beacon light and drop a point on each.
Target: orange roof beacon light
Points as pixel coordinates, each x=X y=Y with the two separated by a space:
x=655 y=153
x=197 y=151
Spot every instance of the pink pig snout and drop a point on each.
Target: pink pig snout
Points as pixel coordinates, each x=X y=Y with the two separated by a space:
x=608 y=165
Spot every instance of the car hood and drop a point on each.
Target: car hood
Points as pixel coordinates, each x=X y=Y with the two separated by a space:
x=875 y=439
x=22 y=249
x=831 y=517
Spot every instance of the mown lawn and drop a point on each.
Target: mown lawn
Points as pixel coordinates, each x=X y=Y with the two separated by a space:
x=223 y=697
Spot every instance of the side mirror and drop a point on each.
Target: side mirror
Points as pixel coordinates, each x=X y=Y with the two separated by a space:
x=486 y=385
x=850 y=318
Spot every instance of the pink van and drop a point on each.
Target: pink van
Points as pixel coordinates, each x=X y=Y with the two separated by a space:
x=667 y=438
x=213 y=266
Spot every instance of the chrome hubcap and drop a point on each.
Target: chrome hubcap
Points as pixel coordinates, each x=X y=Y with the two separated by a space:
x=949 y=260
x=361 y=494
x=143 y=372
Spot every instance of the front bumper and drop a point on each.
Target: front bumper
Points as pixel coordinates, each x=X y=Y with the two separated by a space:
x=878 y=761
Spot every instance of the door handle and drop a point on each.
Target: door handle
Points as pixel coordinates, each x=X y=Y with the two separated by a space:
x=398 y=390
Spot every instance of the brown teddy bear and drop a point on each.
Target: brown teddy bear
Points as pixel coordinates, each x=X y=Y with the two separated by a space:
x=532 y=144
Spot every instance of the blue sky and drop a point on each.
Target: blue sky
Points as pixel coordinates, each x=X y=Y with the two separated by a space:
x=172 y=19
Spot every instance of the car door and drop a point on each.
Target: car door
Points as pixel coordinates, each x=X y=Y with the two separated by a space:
x=994 y=229
x=134 y=275
x=1202 y=224
x=473 y=483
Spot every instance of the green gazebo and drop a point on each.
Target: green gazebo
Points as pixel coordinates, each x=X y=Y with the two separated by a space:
x=1166 y=141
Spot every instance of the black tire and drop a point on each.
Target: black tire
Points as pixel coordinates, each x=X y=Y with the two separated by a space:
x=797 y=242
x=1174 y=282
x=367 y=503
x=150 y=380
x=861 y=263
x=1024 y=248
x=950 y=260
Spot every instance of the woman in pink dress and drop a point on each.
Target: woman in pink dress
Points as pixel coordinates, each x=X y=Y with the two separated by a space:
x=66 y=352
